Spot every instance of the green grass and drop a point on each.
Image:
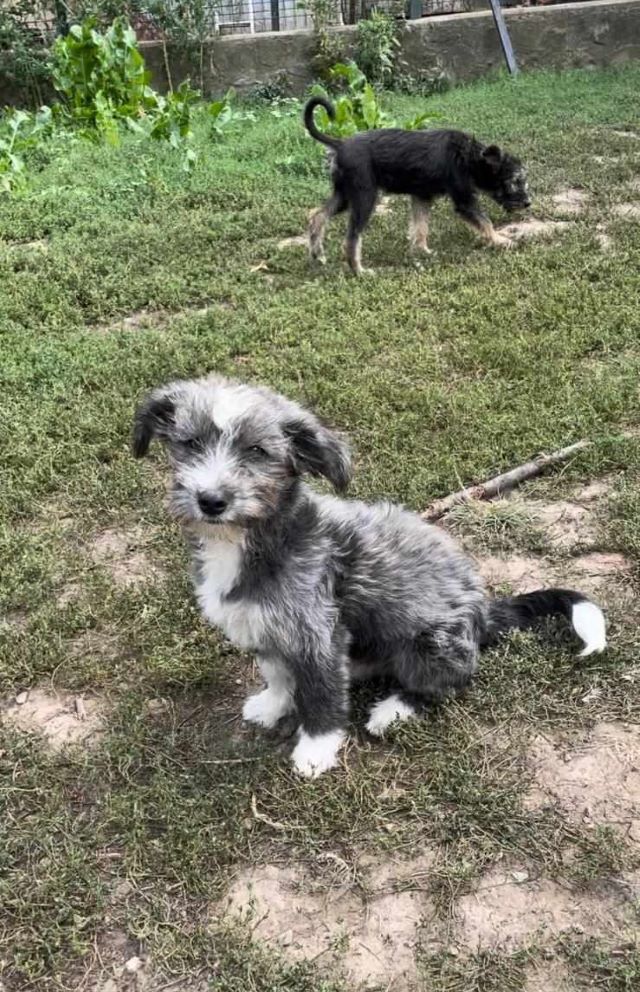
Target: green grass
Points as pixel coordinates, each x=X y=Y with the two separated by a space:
x=440 y=376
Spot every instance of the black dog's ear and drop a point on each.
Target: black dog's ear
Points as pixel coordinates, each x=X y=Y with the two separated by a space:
x=493 y=155
x=319 y=451
x=153 y=417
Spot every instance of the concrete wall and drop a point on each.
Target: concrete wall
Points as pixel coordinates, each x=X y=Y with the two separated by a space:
x=466 y=46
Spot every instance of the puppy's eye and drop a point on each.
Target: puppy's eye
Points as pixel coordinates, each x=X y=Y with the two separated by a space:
x=257 y=451
x=191 y=443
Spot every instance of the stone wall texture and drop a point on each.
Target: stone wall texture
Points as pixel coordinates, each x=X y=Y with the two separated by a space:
x=466 y=46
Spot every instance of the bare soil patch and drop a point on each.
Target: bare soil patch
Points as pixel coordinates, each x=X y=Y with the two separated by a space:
x=571 y=200
x=63 y=718
x=372 y=939
x=591 y=573
x=566 y=523
x=122 y=554
x=604 y=240
x=531 y=227
x=595 y=780
x=147 y=319
x=520 y=573
x=548 y=976
x=505 y=913
x=627 y=211
x=297 y=241
x=569 y=526
x=384 y=205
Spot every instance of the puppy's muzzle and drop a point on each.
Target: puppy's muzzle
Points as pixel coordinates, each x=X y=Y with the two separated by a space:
x=212 y=505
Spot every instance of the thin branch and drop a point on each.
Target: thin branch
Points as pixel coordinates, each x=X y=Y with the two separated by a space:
x=500 y=484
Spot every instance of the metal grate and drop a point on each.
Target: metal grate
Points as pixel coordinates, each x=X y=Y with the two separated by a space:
x=249 y=16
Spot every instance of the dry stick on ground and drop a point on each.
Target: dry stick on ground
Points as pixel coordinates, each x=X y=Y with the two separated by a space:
x=263 y=818
x=502 y=483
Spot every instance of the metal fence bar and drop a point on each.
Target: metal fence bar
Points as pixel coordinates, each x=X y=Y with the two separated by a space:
x=505 y=40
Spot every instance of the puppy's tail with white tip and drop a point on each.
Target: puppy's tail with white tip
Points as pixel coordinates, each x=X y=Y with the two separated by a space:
x=520 y=612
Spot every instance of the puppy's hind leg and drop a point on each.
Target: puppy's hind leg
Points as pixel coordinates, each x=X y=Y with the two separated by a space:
x=430 y=670
x=318 y=221
x=419 y=225
x=362 y=206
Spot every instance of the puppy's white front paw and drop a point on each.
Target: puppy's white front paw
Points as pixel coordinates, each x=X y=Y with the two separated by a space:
x=314 y=755
x=266 y=707
x=386 y=712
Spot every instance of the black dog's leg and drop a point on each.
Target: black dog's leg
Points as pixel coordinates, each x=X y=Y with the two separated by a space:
x=419 y=225
x=468 y=208
x=362 y=206
x=318 y=221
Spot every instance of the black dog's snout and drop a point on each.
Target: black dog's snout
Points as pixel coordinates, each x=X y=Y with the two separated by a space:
x=211 y=506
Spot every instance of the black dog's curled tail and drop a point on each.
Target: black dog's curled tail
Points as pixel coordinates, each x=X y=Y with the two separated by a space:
x=309 y=123
x=520 y=612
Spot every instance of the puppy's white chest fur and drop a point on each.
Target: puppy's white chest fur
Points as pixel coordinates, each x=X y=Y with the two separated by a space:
x=241 y=621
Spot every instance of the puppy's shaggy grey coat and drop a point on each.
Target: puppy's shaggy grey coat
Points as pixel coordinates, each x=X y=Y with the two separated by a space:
x=323 y=590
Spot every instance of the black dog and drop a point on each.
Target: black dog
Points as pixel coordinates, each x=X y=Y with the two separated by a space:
x=420 y=164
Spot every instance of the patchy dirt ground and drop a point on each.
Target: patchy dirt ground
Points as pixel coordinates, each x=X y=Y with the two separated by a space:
x=548 y=976
x=627 y=211
x=571 y=201
x=507 y=913
x=368 y=926
x=594 y=779
x=62 y=718
x=532 y=227
x=572 y=529
x=124 y=556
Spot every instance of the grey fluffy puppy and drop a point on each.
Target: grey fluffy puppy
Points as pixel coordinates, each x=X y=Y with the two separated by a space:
x=323 y=590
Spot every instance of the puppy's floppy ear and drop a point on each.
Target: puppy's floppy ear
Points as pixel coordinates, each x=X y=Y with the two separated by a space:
x=319 y=451
x=153 y=417
x=492 y=154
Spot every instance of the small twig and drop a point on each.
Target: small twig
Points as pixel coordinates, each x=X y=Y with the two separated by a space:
x=502 y=483
x=263 y=818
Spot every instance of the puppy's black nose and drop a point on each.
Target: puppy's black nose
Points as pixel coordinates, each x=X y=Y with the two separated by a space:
x=527 y=204
x=211 y=506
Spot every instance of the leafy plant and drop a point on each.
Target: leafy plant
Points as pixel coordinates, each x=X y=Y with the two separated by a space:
x=271 y=90
x=171 y=121
x=358 y=108
x=101 y=77
x=20 y=131
x=104 y=84
x=377 y=47
x=23 y=49
x=426 y=83
x=222 y=113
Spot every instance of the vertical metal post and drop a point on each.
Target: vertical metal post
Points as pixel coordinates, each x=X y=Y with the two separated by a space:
x=275 y=15
x=505 y=40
